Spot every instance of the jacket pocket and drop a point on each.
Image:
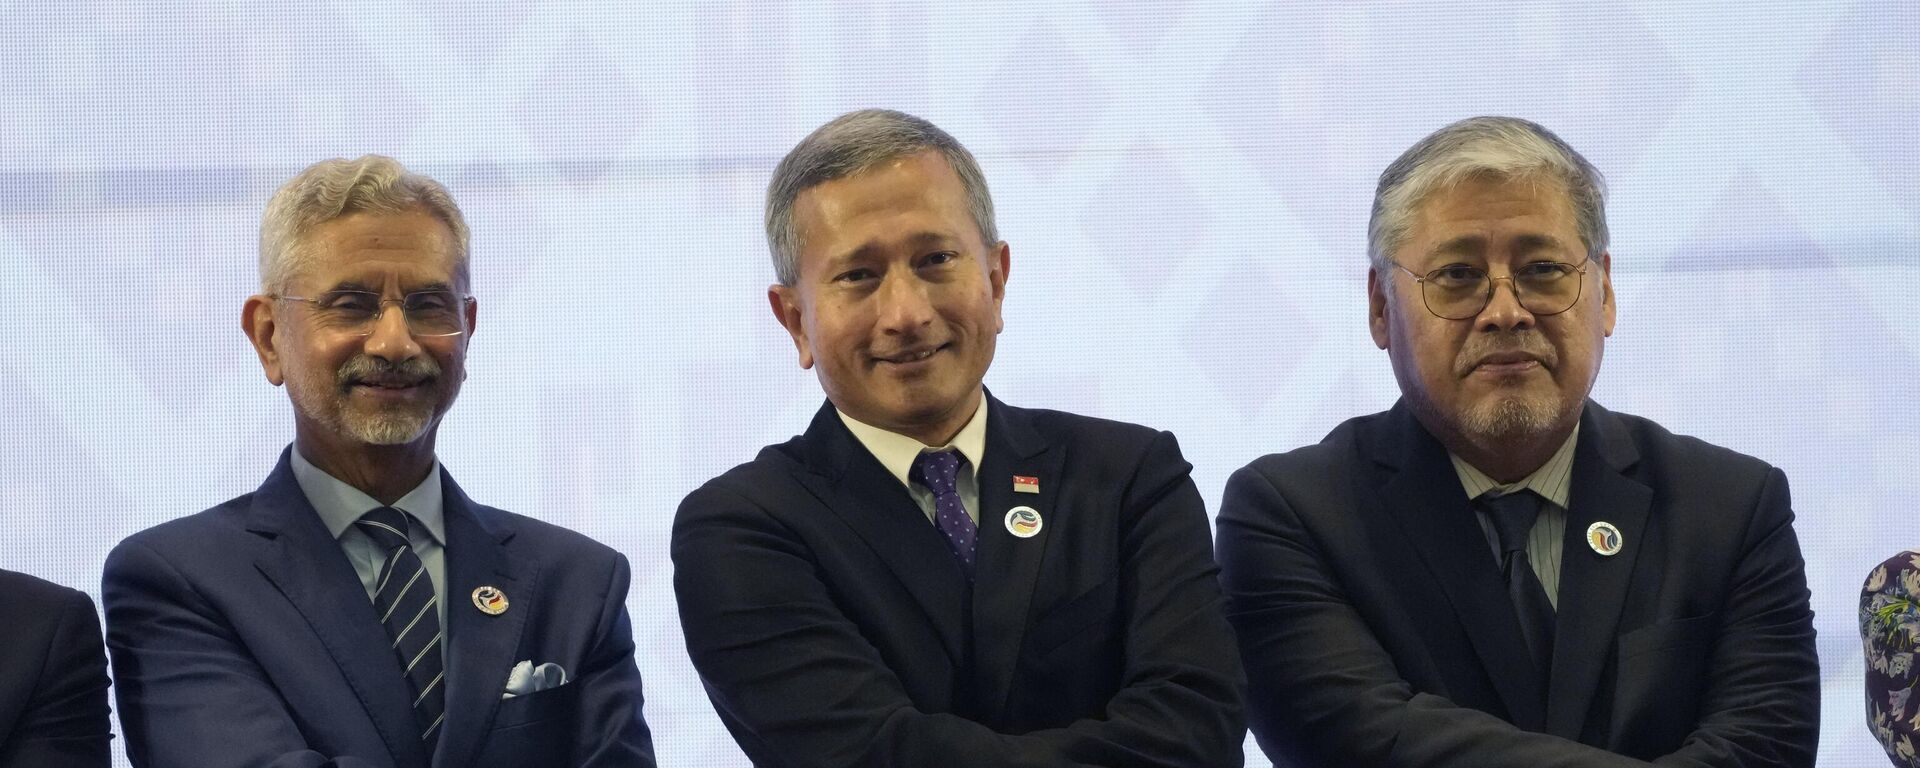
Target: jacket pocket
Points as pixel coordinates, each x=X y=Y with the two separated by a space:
x=538 y=707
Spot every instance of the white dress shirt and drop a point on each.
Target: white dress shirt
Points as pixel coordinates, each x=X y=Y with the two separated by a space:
x=1547 y=539
x=896 y=452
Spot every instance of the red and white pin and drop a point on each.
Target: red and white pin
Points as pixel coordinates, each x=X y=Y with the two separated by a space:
x=1025 y=484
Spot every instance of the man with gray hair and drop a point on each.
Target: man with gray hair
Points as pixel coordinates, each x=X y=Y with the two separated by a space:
x=1498 y=571
x=928 y=576
x=358 y=609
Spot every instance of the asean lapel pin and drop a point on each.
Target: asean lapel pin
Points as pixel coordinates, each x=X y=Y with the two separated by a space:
x=1024 y=522
x=490 y=600
x=1025 y=484
x=1605 y=539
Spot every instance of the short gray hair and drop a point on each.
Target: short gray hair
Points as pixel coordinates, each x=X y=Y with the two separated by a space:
x=854 y=143
x=331 y=189
x=1483 y=147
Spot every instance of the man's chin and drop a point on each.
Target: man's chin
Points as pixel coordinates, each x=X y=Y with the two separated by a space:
x=1512 y=417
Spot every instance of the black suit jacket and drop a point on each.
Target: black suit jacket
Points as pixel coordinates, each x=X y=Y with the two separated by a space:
x=833 y=627
x=241 y=636
x=53 y=677
x=1377 y=630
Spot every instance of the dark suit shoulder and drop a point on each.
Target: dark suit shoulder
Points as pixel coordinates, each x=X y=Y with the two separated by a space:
x=205 y=530
x=1663 y=448
x=1116 y=435
x=38 y=594
x=1320 y=464
x=534 y=534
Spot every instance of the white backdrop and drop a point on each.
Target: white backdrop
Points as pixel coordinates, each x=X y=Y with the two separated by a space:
x=1184 y=184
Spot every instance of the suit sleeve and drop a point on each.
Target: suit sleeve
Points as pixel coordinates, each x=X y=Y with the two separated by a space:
x=777 y=654
x=65 y=722
x=1323 y=691
x=613 y=732
x=1762 y=701
x=189 y=692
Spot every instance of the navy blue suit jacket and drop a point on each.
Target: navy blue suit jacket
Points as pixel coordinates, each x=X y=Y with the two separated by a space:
x=241 y=636
x=1377 y=629
x=833 y=627
x=53 y=678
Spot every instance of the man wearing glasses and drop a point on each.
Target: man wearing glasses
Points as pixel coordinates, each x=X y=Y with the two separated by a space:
x=1498 y=571
x=358 y=609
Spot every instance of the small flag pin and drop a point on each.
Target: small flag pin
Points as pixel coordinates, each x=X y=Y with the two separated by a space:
x=490 y=600
x=1025 y=484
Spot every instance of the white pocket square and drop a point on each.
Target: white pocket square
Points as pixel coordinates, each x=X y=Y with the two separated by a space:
x=527 y=678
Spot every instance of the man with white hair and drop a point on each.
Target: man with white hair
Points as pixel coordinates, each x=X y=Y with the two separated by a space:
x=358 y=609
x=1498 y=571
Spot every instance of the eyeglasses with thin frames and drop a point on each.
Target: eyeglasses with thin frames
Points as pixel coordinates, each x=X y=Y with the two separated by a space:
x=433 y=313
x=1461 y=292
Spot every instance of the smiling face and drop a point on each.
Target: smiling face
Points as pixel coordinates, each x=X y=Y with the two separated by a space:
x=388 y=387
x=1504 y=374
x=898 y=298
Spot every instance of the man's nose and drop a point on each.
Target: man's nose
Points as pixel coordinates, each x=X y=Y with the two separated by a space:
x=390 y=338
x=905 y=306
x=1504 y=311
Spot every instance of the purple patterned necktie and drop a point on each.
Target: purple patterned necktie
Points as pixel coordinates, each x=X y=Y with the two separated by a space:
x=939 y=471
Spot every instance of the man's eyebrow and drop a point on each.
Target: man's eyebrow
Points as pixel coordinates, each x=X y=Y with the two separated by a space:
x=352 y=285
x=433 y=286
x=1464 y=245
x=1532 y=243
x=874 y=249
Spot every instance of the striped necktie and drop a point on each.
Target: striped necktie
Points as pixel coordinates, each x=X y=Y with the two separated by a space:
x=409 y=610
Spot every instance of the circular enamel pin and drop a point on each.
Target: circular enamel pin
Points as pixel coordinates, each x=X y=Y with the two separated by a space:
x=1024 y=522
x=490 y=600
x=1604 y=538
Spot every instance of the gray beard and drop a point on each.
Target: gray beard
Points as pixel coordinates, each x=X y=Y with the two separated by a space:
x=1509 y=417
x=391 y=428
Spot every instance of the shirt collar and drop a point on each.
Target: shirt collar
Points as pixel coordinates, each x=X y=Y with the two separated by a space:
x=896 y=452
x=340 y=504
x=1553 y=480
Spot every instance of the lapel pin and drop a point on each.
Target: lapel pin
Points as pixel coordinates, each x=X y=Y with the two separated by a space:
x=490 y=600
x=1024 y=522
x=1025 y=484
x=1604 y=538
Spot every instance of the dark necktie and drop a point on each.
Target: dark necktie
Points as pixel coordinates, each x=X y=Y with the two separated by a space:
x=939 y=472
x=408 y=608
x=1513 y=516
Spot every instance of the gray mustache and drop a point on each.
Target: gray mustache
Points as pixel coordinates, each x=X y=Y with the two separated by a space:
x=363 y=367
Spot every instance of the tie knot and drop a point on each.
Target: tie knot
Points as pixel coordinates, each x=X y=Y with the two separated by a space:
x=386 y=525
x=939 y=471
x=1512 y=515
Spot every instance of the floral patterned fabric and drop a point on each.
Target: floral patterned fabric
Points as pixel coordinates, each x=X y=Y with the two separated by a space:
x=1890 y=630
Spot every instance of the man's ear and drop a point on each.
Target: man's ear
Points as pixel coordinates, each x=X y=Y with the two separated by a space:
x=1606 y=287
x=1377 y=308
x=997 y=270
x=785 y=301
x=258 y=321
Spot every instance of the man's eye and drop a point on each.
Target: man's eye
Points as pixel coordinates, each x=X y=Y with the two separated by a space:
x=941 y=257
x=349 y=301
x=1457 y=274
x=429 y=302
x=1544 y=271
x=853 y=276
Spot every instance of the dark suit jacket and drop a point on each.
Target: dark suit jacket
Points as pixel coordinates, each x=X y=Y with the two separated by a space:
x=241 y=636
x=1377 y=630
x=53 y=678
x=833 y=627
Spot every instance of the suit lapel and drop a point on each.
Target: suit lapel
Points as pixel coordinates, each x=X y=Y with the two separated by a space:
x=1426 y=500
x=307 y=565
x=1594 y=588
x=854 y=486
x=480 y=648
x=1007 y=567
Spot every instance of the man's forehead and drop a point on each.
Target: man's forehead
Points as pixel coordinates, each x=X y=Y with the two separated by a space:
x=374 y=249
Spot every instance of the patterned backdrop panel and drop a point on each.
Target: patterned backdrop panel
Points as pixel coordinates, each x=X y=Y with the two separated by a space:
x=1184 y=185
